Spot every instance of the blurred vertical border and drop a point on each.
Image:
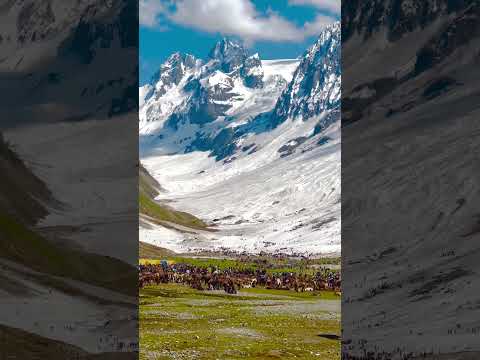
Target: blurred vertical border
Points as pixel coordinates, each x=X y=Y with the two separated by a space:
x=69 y=179
x=410 y=146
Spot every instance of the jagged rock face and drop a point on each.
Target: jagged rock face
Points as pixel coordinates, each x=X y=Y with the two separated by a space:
x=172 y=75
x=398 y=16
x=207 y=100
x=33 y=20
x=447 y=26
x=229 y=55
x=37 y=21
x=90 y=36
x=75 y=26
x=63 y=47
x=252 y=72
x=174 y=69
x=172 y=72
x=232 y=58
x=315 y=87
x=461 y=30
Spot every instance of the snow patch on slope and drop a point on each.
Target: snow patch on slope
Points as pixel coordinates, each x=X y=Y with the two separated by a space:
x=283 y=67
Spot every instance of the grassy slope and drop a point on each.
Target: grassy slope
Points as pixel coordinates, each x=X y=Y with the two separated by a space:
x=148 y=190
x=23 y=246
x=161 y=212
x=148 y=251
x=18 y=344
x=179 y=322
x=22 y=194
x=22 y=204
x=147 y=183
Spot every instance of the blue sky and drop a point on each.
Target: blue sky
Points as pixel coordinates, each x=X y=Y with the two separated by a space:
x=273 y=28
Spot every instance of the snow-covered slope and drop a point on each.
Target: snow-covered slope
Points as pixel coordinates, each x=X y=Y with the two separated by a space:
x=223 y=155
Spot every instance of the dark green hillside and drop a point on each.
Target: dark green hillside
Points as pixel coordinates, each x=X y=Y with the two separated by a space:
x=23 y=246
x=147 y=184
x=22 y=194
x=148 y=251
x=23 y=202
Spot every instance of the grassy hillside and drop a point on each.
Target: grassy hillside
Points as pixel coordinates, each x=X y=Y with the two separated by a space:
x=148 y=251
x=162 y=212
x=24 y=246
x=23 y=199
x=148 y=190
x=23 y=345
x=22 y=194
x=19 y=344
x=147 y=183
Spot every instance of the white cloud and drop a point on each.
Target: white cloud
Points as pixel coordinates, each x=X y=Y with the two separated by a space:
x=235 y=17
x=317 y=25
x=149 y=11
x=328 y=5
x=229 y=17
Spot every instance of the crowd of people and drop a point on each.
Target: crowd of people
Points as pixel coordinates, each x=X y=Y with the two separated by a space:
x=231 y=280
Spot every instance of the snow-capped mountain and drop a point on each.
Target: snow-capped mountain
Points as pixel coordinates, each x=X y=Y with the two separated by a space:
x=317 y=81
x=243 y=143
x=209 y=106
x=67 y=52
x=190 y=101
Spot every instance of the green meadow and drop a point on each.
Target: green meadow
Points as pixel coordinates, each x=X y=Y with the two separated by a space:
x=177 y=322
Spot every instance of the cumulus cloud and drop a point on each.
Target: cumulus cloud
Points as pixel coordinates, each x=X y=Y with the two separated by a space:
x=328 y=5
x=229 y=17
x=317 y=25
x=235 y=17
x=149 y=12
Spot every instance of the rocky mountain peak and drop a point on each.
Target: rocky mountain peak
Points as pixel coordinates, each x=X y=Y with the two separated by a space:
x=178 y=59
x=397 y=17
x=316 y=84
x=229 y=54
x=252 y=72
x=173 y=70
x=232 y=58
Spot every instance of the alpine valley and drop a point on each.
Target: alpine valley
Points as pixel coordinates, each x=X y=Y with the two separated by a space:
x=241 y=154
